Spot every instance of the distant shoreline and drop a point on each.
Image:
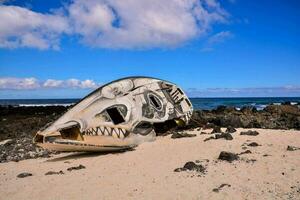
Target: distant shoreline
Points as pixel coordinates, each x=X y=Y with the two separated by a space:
x=205 y=103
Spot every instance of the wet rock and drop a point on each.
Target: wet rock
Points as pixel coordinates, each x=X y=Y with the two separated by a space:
x=76 y=168
x=292 y=148
x=253 y=144
x=176 y=135
x=54 y=173
x=216 y=129
x=24 y=174
x=250 y=132
x=220 y=187
x=191 y=166
x=228 y=156
x=230 y=129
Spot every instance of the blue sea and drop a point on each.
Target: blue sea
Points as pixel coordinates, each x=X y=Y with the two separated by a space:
x=198 y=103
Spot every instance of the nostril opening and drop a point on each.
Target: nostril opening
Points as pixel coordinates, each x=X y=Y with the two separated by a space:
x=38 y=138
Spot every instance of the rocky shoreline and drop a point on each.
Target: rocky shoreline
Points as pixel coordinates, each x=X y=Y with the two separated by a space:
x=19 y=124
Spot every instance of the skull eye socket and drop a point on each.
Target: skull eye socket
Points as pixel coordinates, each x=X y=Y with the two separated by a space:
x=115 y=114
x=155 y=102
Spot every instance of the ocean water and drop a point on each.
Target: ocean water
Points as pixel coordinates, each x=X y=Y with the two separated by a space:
x=198 y=103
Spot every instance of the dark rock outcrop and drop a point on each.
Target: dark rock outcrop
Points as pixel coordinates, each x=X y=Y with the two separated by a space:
x=272 y=117
x=18 y=125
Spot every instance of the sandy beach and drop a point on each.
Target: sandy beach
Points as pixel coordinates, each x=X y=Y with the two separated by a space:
x=147 y=172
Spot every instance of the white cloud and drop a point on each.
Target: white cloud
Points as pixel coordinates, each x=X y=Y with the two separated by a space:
x=220 y=37
x=19 y=83
x=215 y=39
x=21 y=27
x=143 y=23
x=116 y=24
x=75 y=83
x=7 y=83
x=51 y=83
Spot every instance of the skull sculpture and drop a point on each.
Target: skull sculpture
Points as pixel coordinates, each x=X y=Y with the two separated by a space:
x=108 y=118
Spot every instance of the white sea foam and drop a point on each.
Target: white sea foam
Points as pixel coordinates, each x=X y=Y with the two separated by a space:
x=46 y=104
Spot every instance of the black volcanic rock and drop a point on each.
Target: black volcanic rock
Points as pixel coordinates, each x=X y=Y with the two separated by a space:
x=250 y=132
x=191 y=166
x=292 y=148
x=216 y=129
x=253 y=144
x=271 y=117
x=54 y=173
x=76 y=168
x=176 y=135
x=226 y=136
x=228 y=156
x=24 y=174
x=230 y=129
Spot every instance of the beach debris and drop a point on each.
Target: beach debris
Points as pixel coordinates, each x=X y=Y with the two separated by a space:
x=24 y=174
x=76 y=168
x=118 y=116
x=230 y=129
x=220 y=187
x=55 y=173
x=250 y=132
x=176 y=135
x=292 y=148
x=191 y=166
x=228 y=156
x=216 y=129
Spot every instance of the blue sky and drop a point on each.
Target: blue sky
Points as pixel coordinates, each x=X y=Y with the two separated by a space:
x=65 y=49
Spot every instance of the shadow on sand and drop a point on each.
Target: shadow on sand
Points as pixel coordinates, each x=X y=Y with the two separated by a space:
x=79 y=155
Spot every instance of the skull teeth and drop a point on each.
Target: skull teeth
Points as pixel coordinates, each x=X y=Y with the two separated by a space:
x=106 y=131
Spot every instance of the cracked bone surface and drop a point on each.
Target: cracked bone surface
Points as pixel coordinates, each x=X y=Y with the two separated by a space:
x=118 y=115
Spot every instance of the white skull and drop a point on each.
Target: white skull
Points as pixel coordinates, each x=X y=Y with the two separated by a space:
x=109 y=117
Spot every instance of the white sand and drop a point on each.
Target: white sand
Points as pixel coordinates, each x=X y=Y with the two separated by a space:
x=148 y=171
